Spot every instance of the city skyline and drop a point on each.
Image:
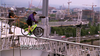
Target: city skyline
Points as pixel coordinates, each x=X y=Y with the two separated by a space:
x=25 y=3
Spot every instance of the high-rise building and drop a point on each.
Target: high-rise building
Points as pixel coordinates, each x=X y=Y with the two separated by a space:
x=87 y=14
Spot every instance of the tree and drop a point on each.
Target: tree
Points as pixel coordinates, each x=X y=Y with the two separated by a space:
x=37 y=9
x=52 y=15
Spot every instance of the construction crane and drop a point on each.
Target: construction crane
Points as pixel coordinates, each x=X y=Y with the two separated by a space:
x=69 y=7
x=30 y=4
x=91 y=5
x=92 y=11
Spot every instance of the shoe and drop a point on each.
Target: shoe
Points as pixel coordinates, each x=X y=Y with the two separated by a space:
x=11 y=47
x=10 y=32
x=29 y=34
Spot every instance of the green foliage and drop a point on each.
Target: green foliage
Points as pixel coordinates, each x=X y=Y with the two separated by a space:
x=37 y=9
x=52 y=15
x=20 y=24
x=70 y=31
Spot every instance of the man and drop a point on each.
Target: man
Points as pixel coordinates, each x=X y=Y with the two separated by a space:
x=29 y=21
x=11 y=21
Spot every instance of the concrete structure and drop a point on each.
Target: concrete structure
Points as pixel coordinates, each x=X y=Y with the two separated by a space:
x=45 y=21
x=87 y=14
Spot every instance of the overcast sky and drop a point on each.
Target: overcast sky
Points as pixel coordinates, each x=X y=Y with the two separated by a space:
x=24 y=3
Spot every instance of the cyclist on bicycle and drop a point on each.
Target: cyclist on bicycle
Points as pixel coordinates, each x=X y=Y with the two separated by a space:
x=29 y=21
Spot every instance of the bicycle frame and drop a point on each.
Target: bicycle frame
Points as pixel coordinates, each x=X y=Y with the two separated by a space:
x=31 y=28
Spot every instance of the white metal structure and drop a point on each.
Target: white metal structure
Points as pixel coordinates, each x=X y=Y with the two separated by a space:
x=49 y=45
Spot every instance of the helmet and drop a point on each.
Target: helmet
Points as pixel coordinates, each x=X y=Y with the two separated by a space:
x=12 y=9
x=34 y=13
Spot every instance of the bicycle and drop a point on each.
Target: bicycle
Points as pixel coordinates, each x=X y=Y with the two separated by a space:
x=37 y=31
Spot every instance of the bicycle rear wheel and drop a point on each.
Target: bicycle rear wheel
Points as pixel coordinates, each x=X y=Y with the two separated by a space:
x=38 y=32
x=24 y=31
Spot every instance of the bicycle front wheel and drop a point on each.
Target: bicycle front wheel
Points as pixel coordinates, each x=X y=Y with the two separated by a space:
x=38 y=32
x=24 y=31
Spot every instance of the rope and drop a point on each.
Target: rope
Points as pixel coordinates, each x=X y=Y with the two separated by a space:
x=18 y=21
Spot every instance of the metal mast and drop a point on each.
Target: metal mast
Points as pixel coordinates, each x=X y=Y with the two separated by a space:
x=69 y=7
x=45 y=21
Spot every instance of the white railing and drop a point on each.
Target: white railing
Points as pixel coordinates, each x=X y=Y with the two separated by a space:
x=50 y=45
x=4 y=26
